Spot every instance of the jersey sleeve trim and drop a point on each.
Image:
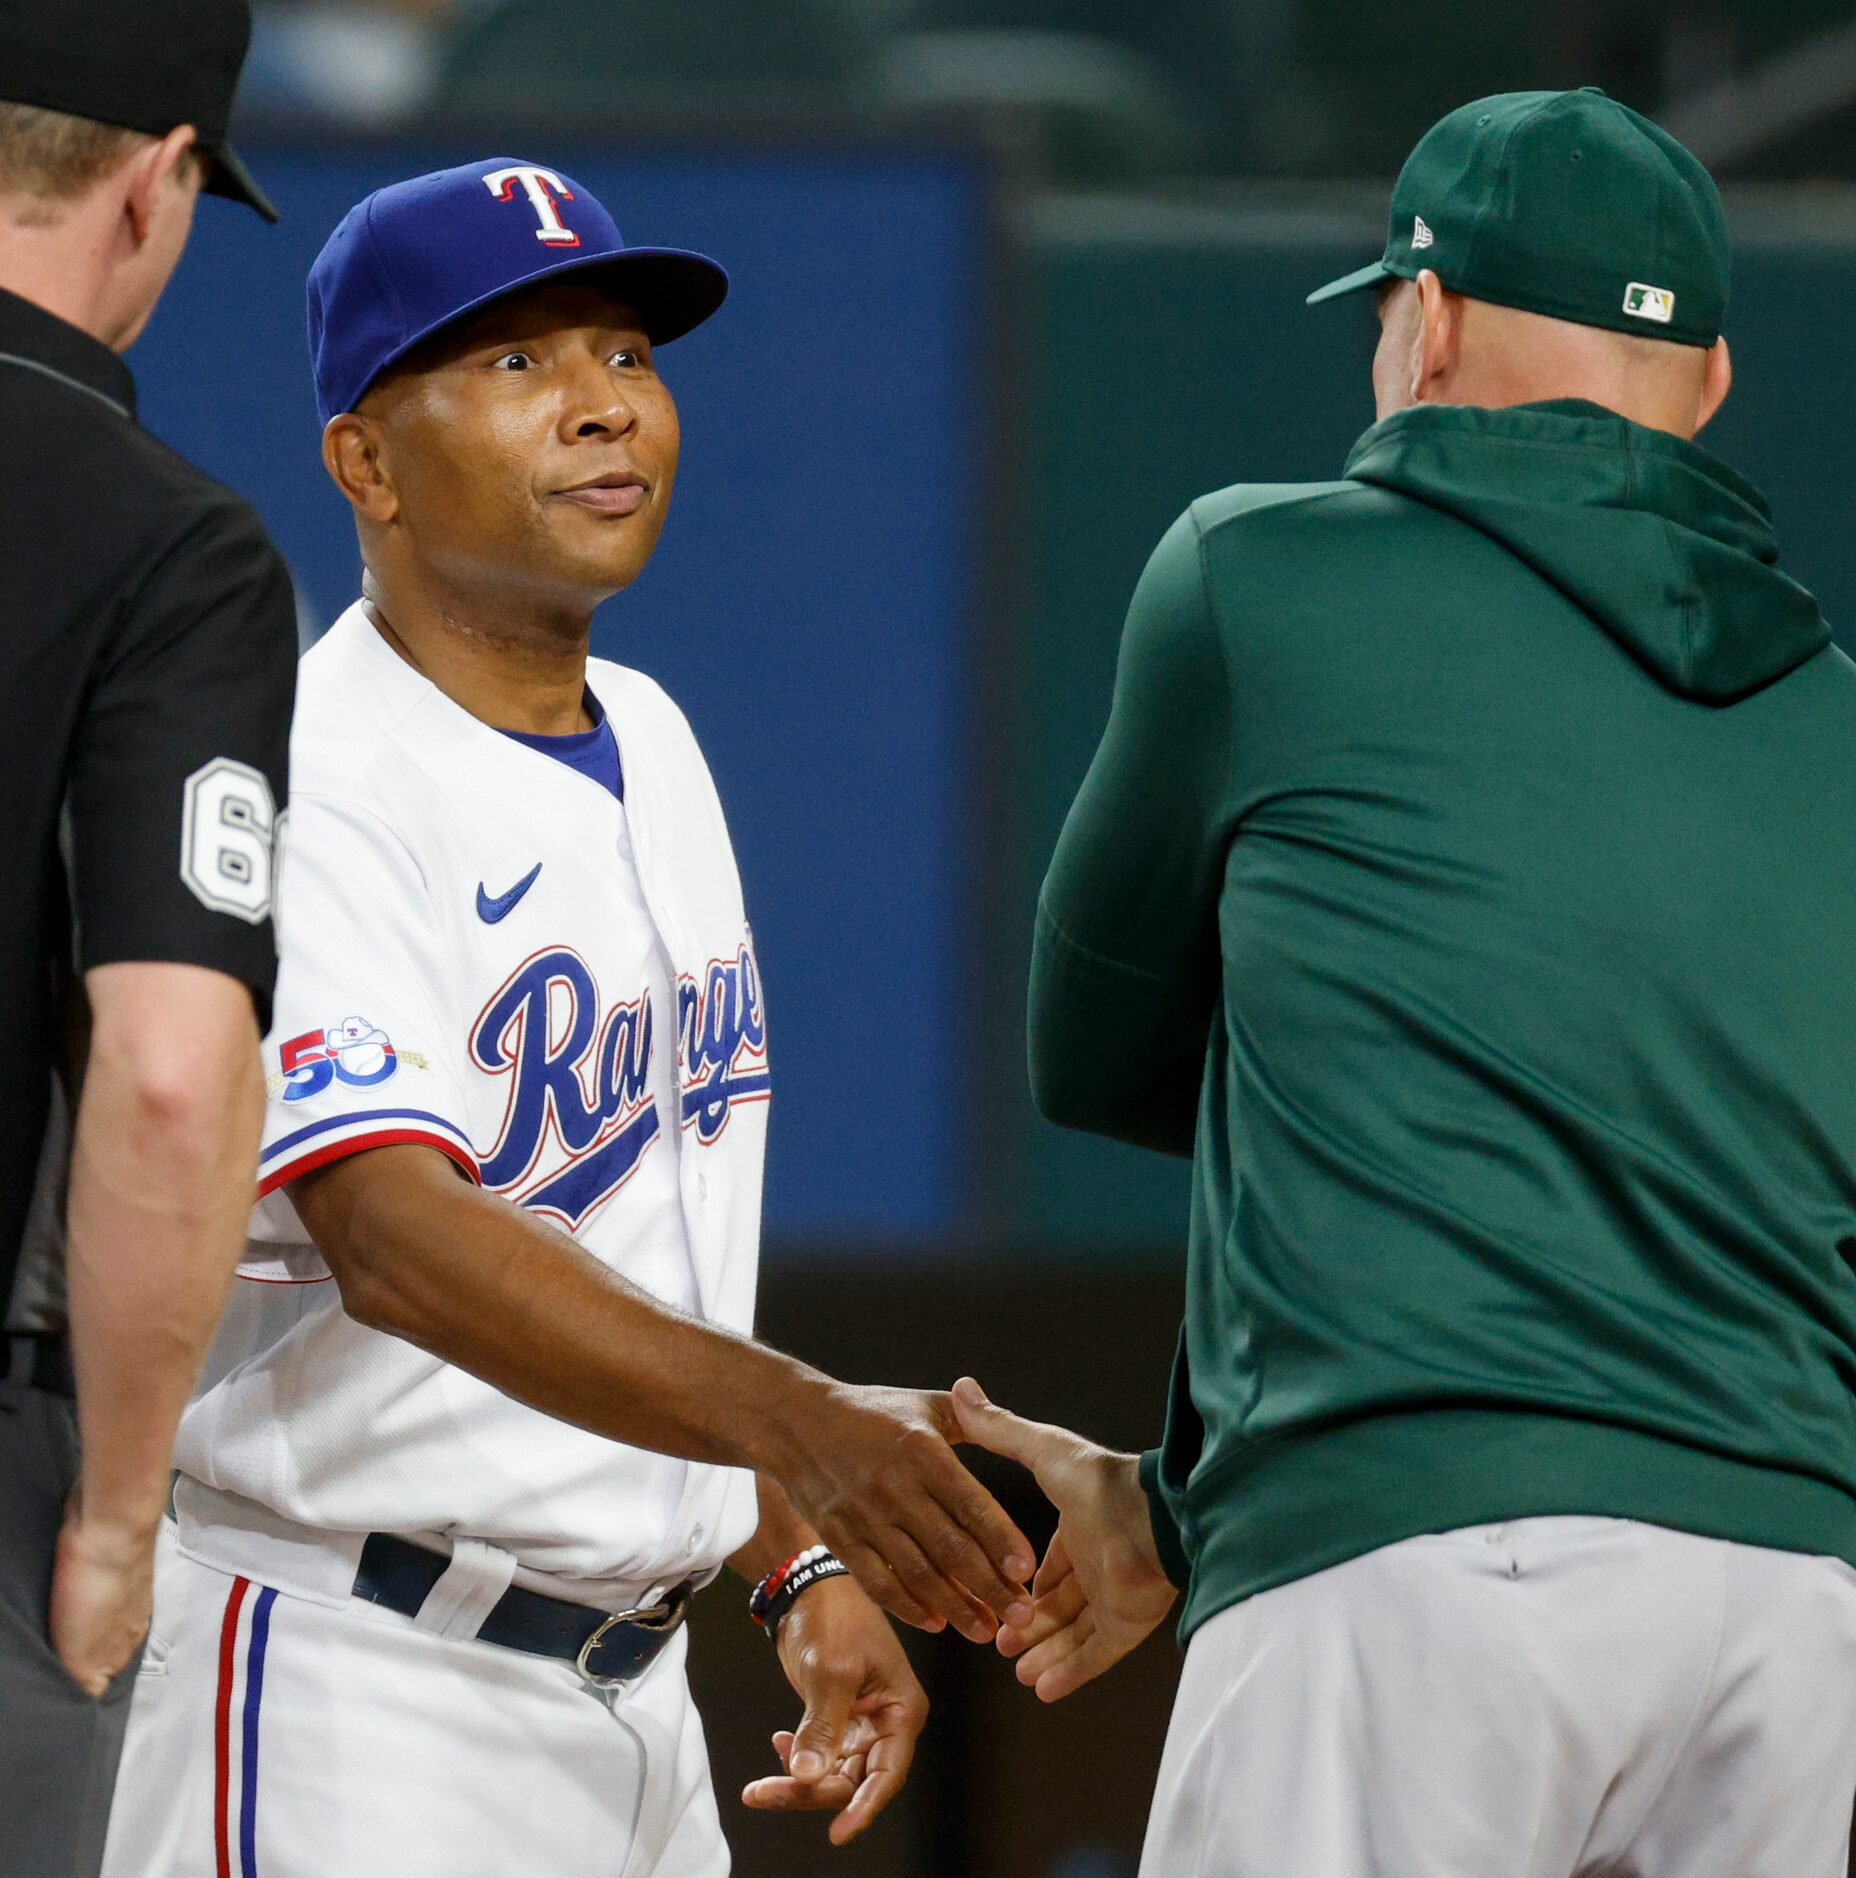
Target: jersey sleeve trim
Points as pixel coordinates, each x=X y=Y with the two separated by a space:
x=312 y=1147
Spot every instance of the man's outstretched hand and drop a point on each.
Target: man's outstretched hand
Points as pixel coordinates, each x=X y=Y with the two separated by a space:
x=873 y=1471
x=1101 y=1588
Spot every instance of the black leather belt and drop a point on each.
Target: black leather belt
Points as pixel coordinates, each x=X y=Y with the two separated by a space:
x=605 y=1648
x=44 y=1362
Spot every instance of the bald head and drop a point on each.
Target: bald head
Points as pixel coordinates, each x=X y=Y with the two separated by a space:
x=1439 y=347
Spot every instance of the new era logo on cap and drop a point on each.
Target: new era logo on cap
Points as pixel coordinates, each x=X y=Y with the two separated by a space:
x=1650 y=303
x=1421 y=236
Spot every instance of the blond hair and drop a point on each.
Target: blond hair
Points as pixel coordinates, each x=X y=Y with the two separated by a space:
x=49 y=158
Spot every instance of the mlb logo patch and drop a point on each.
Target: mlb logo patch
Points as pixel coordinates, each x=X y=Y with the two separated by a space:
x=1649 y=303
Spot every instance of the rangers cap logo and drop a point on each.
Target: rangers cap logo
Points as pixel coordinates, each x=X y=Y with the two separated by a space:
x=543 y=189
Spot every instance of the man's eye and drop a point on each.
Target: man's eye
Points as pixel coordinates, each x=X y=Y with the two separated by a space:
x=514 y=362
x=627 y=358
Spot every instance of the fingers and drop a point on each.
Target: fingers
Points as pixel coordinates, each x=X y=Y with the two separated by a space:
x=1058 y=1647
x=856 y=1800
x=92 y=1680
x=1052 y=1613
x=994 y=1560
x=928 y=1581
x=778 y=1793
x=920 y=1534
x=878 y=1787
x=1061 y=1664
x=949 y=1542
x=943 y=1412
x=820 y=1734
x=1055 y=1566
x=1082 y=1666
x=831 y=1792
x=988 y=1426
x=896 y=1728
x=883 y=1587
x=98 y=1612
x=870 y=1773
x=985 y=1597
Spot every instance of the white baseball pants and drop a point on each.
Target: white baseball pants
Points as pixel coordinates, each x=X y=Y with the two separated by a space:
x=275 y=1737
x=1553 y=1698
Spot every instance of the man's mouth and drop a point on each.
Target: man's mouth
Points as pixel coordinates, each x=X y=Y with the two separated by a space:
x=618 y=492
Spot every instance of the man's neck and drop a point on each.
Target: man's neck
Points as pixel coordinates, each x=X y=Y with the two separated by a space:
x=61 y=267
x=511 y=667
x=1651 y=411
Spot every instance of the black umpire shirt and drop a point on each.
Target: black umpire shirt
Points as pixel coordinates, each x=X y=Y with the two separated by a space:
x=147 y=671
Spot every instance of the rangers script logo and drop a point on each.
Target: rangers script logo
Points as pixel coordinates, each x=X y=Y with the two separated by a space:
x=722 y=1042
x=579 y=1115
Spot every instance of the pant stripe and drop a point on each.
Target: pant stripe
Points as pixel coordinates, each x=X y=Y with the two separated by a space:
x=254 y=1695
x=222 y=1728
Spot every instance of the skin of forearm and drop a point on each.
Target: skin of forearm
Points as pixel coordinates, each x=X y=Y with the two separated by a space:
x=781 y=1534
x=422 y=1254
x=484 y=1285
x=162 y=1178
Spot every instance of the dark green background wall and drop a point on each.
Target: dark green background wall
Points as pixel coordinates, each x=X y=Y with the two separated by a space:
x=1171 y=354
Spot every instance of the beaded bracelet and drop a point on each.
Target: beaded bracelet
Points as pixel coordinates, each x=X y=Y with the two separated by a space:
x=774 y=1596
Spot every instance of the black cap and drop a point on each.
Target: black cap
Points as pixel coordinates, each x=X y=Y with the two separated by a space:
x=146 y=65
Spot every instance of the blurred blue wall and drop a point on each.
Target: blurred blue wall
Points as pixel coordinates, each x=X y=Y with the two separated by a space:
x=811 y=607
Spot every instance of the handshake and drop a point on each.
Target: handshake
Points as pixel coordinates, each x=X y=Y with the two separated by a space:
x=874 y=1473
x=877 y=1477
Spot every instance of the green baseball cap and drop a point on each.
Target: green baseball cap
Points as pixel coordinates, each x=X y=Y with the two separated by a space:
x=1565 y=203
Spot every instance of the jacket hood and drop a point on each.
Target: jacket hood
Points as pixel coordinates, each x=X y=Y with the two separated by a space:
x=1664 y=546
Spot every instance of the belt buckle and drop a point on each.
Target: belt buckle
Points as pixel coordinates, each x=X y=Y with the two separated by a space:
x=666 y=1615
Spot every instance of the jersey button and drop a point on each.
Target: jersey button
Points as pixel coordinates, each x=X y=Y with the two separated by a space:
x=702 y=1186
x=696 y=1537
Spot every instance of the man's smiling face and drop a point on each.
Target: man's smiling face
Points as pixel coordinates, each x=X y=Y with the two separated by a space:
x=532 y=444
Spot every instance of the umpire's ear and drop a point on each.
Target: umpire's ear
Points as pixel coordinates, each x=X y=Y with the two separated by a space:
x=352 y=455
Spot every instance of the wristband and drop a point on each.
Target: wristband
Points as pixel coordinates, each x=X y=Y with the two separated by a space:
x=775 y=1595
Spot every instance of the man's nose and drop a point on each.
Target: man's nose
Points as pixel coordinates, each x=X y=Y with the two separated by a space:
x=597 y=405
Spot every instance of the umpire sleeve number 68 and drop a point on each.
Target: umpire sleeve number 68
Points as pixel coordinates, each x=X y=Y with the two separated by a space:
x=228 y=832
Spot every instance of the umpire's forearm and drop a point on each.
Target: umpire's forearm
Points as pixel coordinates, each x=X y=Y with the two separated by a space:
x=485 y=1285
x=162 y=1175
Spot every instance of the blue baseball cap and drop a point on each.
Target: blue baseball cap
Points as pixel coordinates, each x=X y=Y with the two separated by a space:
x=417 y=255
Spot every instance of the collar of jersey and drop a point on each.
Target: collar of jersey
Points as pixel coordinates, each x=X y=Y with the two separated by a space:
x=402 y=689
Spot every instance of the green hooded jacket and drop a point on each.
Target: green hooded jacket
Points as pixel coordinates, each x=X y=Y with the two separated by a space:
x=1467 y=881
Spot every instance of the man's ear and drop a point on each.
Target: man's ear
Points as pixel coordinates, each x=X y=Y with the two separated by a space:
x=354 y=453
x=154 y=170
x=1439 y=339
x=1717 y=380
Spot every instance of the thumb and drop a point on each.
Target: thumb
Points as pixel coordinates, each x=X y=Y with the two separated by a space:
x=821 y=1729
x=986 y=1425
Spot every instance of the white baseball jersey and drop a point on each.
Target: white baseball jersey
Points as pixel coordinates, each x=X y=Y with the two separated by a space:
x=485 y=952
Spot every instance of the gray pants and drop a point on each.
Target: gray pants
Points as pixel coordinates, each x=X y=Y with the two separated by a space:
x=58 y=1747
x=1566 y=1697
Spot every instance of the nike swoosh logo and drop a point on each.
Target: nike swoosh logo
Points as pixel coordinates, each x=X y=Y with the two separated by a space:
x=490 y=910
